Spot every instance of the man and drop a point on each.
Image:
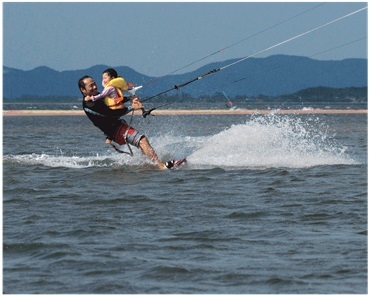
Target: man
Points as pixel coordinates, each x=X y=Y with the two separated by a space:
x=114 y=128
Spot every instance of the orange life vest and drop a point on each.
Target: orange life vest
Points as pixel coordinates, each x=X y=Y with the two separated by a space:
x=120 y=85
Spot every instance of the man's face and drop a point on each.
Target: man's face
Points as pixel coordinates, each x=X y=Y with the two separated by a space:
x=90 y=87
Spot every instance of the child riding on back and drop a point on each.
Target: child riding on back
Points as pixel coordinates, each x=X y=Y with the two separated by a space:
x=114 y=86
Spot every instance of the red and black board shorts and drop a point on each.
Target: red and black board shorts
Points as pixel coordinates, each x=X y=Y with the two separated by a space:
x=126 y=134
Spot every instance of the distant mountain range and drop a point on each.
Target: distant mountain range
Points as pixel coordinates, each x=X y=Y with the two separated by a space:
x=271 y=76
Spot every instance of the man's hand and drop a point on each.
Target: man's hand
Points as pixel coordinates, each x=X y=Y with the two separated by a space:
x=136 y=103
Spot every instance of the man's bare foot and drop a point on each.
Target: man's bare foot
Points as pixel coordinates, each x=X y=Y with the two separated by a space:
x=162 y=166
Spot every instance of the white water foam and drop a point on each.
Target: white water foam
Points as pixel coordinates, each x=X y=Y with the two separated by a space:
x=271 y=141
x=59 y=161
x=262 y=142
x=110 y=158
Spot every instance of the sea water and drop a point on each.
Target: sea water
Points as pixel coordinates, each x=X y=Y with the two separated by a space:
x=265 y=204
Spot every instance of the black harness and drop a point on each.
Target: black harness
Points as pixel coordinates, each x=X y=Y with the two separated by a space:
x=95 y=113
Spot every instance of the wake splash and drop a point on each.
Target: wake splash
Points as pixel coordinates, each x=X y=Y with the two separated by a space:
x=272 y=141
x=262 y=142
x=76 y=162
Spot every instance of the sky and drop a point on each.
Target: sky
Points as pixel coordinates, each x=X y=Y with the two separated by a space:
x=157 y=38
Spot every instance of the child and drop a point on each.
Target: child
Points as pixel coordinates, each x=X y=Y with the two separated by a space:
x=113 y=88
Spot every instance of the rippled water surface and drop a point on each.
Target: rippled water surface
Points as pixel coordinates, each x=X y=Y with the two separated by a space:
x=265 y=204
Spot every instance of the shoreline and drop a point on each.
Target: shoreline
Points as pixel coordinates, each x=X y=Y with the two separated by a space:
x=7 y=113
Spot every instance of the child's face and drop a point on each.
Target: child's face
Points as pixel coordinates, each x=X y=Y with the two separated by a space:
x=106 y=79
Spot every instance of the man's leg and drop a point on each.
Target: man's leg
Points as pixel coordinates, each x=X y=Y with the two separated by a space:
x=129 y=135
x=150 y=153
